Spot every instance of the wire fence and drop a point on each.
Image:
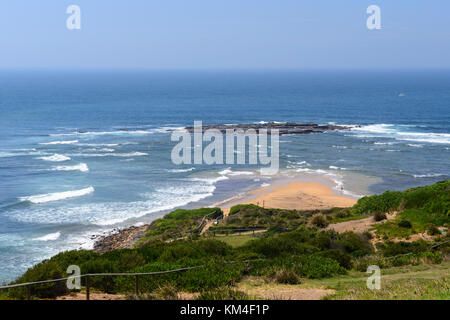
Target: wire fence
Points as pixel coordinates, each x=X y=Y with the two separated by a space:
x=138 y=275
x=90 y=275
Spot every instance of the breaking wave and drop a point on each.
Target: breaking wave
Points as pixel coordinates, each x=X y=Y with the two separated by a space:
x=43 y=198
x=49 y=237
x=59 y=142
x=79 y=167
x=400 y=133
x=55 y=158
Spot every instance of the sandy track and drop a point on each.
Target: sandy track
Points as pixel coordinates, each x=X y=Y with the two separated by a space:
x=358 y=226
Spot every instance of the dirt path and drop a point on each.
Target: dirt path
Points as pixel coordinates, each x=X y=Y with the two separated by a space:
x=207 y=225
x=255 y=287
x=93 y=296
x=358 y=226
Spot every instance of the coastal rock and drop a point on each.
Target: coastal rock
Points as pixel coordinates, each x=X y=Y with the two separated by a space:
x=121 y=239
x=284 y=128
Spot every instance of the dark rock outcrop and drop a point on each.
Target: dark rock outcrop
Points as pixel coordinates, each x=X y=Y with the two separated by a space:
x=120 y=239
x=284 y=128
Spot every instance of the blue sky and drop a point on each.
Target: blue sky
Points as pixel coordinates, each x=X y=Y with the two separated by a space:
x=224 y=34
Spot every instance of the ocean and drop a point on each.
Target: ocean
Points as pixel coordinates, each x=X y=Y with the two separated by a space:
x=84 y=152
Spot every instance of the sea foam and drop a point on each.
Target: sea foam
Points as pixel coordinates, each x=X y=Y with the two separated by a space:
x=55 y=158
x=398 y=132
x=79 y=167
x=59 y=142
x=49 y=237
x=43 y=198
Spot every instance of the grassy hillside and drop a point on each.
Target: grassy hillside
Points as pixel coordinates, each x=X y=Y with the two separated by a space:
x=177 y=224
x=295 y=251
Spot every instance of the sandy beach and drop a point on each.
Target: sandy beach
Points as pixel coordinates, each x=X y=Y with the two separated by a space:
x=297 y=195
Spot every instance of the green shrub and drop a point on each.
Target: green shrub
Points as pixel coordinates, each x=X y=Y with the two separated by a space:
x=177 y=224
x=404 y=224
x=309 y=266
x=397 y=248
x=213 y=274
x=386 y=202
x=53 y=268
x=344 y=259
x=362 y=263
x=40 y=272
x=278 y=246
x=166 y=292
x=222 y=293
x=284 y=276
x=353 y=244
x=433 y=230
x=319 y=220
x=379 y=216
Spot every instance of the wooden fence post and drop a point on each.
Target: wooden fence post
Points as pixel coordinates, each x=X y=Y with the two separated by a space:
x=87 y=287
x=137 y=285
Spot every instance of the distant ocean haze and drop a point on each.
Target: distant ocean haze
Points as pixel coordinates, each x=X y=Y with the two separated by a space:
x=83 y=152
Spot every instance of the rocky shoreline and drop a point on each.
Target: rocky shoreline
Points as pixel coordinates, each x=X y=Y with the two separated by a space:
x=283 y=128
x=120 y=239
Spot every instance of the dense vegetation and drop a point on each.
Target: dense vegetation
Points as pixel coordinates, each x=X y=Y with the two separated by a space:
x=275 y=220
x=178 y=224
x=294 y=249
x=419 y=210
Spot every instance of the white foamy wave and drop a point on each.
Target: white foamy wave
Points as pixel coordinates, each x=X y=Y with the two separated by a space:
x=229 y=172
x=241 y=173
x=100 y=150
x=127 y=155
x=55 y=158
x=7 y=154
x=163 y=198
x=102 y=133
x=80 y=167
x=211 y=180
x=384 y=143
x=59 y=142
x=43 y=198
x=168 y=129
x=431 y=175
x=265 y=185
x=99 y=144
x=31 y=152
x=415 y=145
x=398 y=132
x=225 y=171
x=49 y=237
x=181 y=170
x=336 y=178
x=337 y=168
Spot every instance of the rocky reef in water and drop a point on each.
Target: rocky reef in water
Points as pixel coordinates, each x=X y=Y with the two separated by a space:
x=283 y=128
